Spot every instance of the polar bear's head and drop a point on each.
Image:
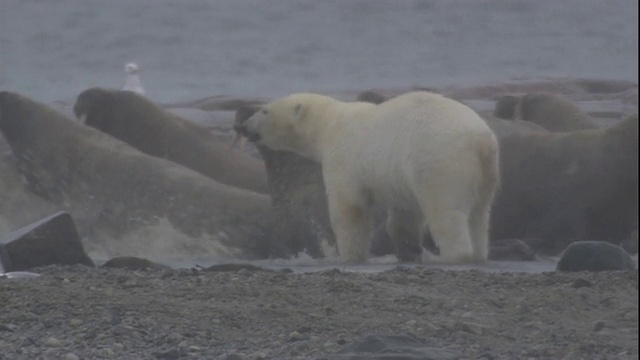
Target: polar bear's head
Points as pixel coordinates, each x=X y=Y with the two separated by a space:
x=292 y=123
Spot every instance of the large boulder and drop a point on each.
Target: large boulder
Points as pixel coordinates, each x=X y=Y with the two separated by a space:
x=49 y=241
x=594 y=256
x=135 y=120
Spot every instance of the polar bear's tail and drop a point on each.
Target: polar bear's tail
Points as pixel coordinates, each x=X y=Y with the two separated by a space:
x=487 y=186
x=489 y=153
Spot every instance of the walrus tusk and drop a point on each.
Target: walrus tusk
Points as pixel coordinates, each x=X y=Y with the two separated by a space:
x=239 y=139
x=82 y=118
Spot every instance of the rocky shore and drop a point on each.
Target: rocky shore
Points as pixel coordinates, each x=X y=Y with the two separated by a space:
x=89 y=313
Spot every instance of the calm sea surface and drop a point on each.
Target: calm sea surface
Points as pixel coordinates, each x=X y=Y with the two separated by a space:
x=53 y=49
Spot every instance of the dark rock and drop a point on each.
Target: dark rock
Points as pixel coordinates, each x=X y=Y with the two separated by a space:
x=511 y=250
x=52 y=240
x=8 y=327
x=391 y=347
x=134 y=263
x=594 y=256
x=580 y=283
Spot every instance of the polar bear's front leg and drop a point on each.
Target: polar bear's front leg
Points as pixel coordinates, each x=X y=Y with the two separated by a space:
x=351 y=222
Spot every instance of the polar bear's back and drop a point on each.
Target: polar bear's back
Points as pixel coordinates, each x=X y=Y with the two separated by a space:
x=425 y=120
x=426 y=109
x=414 y=136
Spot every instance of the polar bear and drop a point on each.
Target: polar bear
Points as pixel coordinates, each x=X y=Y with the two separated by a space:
x=431 y=161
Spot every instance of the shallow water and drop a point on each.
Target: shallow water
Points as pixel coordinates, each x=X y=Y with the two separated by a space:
x=52 y=50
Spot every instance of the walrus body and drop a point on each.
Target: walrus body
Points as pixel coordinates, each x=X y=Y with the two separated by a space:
x=298 y=198
x=111 y=188
x=562 y=187
x=138 y=122
x=549 y=111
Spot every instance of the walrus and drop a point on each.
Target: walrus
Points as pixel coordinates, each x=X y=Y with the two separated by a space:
x=371 y=97
x=298 y=198
x=549 y=111
x=113 y=190
x=137 y=121
x=562 y=187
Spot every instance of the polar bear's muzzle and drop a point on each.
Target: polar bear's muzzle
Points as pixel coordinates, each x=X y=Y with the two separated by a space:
x=246 y=130
x=253 y=136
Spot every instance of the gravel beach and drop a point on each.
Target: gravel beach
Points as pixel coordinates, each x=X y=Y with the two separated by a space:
x=89 y=313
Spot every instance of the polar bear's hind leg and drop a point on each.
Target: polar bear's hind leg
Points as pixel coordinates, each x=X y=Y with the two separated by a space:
x=479 y=225
x=447 y=212
x=405 y=228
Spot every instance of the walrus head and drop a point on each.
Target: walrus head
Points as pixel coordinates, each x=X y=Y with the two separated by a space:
x=93 y=106
x=242 y=115
x=371 y=97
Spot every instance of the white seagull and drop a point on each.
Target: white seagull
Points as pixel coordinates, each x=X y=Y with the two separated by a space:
x=133 y=82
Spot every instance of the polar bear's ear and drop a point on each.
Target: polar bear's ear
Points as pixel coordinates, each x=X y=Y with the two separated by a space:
x=299 y=111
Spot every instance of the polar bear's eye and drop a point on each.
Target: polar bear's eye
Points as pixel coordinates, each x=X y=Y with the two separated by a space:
x=264 y=112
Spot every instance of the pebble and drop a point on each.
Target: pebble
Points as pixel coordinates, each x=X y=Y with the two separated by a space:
x=599 y=325
x=75 y=322
x=194 y=348
x=106 y=353
x=71 y=356
x=236 y=356
x=8 y=327
x=169 y=354
x=244 y=272
x=296 y=336
x=471 y=327
x=258 y=355
x=580 y=283
x=52 y=342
